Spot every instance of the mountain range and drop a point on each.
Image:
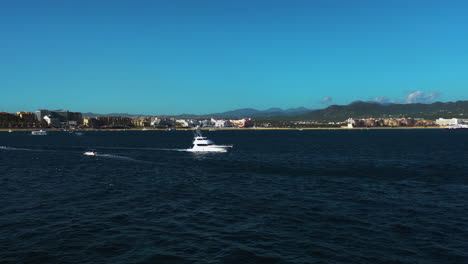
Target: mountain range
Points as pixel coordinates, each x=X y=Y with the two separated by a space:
x=251 y=112
x=239 y=113
x=335 y=113
x=361 y=109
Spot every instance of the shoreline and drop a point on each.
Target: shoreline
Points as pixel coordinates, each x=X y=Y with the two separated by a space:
x=219 y=129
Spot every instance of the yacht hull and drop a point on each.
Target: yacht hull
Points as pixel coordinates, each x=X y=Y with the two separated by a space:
x=212 y=149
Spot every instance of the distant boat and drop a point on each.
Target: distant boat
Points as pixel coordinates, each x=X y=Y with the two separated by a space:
x=9 y=130
x=459 y=126
x=39 y=133
x=145 y=129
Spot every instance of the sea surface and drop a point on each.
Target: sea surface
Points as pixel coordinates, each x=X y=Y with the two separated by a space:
x=312 y=196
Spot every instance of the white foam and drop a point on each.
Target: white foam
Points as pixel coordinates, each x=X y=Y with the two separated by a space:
x=24 y=149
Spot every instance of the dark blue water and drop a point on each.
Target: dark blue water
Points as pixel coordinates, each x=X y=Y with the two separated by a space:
x=331 y=196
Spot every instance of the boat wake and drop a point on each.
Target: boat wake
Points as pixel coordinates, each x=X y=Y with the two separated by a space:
x=6 y=148
x=110 y=156
x=114 y=157
x=147 y=149
x=21 y=149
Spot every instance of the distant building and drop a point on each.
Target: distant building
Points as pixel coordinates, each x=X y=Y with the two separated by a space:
x=63 y=117
x=222 y=123
x=90 y=122
x=41 y=113
x=181 y=123
x=206 y=123
x=8 y=120
x=27 y=116
x=108 y=121
x=244 y=122
x=52 y=121
x=114 y=121
x=141 y=121
x=386 y=122
x=423 y=122
x=451 y=122
x=162 y=122
x=20 y=119
x=75 y=117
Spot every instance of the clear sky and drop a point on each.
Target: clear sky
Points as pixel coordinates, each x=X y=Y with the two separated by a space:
x=171 y=57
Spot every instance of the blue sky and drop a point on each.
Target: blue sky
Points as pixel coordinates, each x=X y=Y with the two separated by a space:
x=171 y=57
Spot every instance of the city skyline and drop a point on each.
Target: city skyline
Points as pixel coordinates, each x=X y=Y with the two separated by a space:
x=166 y=57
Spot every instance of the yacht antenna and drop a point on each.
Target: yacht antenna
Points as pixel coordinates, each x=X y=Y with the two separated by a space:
x=197 y=132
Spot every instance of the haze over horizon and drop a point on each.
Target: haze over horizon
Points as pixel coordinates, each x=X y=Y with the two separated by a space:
x=174 y=57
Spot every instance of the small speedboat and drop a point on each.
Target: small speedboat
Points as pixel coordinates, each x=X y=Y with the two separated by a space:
x=203 y=144
x=90 y=152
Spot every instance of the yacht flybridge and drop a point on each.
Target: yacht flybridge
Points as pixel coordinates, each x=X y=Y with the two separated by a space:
x=203 y=144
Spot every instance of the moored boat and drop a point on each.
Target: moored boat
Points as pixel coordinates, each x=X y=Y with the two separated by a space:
x=39 y=133
x=459 y=126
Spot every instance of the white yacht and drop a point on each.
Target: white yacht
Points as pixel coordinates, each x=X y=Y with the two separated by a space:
x=203 y=144
x=39 y=133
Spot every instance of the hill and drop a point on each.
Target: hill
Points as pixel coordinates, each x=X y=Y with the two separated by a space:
x=361 y=109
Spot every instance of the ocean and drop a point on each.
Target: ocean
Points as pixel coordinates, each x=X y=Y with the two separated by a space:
x=312 y=196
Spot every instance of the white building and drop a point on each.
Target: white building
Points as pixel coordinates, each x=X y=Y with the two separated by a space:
x=222 y=123
x=451 y=122
x=54 y=122
x=182 y=123
x=155 y=121
x=206 y=123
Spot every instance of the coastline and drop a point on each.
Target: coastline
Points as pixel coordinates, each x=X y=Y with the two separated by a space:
x=221 y=129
